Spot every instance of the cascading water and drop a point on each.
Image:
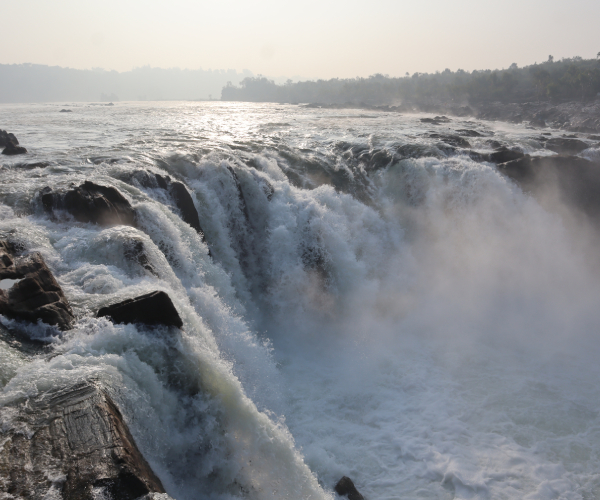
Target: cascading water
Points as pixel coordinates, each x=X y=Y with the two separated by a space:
x=366 y=301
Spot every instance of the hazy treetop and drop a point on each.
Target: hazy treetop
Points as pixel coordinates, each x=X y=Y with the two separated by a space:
x=312 y=38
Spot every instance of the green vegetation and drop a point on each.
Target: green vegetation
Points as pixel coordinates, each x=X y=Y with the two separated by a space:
x=573 y=79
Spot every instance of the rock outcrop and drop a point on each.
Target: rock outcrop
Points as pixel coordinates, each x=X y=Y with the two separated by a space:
x=503 y=154
x=155 y=308
x=345 y=487
x=91 y=202
x=569 y=146
x=34 y=294
x=10 y=144
x=570 y=180
x=7 y=138
x=76 y=447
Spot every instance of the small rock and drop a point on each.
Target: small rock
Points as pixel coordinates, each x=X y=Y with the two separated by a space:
x=66 y=110
x=154 y=308
x=7 y=138
x=345 y=486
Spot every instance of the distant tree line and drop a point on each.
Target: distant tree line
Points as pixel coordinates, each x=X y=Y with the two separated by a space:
x=565 y=80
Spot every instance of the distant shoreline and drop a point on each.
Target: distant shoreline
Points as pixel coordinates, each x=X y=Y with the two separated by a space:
x=573 y=116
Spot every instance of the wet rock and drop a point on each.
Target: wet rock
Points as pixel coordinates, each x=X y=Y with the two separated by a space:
x=345 y=487
x=6 y=138
x=91 y=202
x=469 y=133
x=77 y=447
x=503 y=155
x=12 y=150
x=181 y=196
x=34 y=294
x=155 y=308
x=185 y=204
x=566 y=145
x=66 y=111
x=594 y=137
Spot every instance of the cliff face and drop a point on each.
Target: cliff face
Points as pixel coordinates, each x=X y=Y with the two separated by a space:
x=71 y=444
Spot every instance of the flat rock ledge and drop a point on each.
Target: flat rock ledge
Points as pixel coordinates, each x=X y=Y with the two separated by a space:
x=154 y=308
x=35 y=294
x=71 y=444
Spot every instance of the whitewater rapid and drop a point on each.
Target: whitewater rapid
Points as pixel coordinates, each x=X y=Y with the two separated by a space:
x=367 y=301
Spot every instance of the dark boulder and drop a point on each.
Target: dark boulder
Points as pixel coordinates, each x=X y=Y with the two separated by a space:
x=34 y=294
x=155 y=308
x=77 y=447
x=66 y=110
x=345 y=487
x=91 y=203
x=503 y=155
x=6 y=138
x=12 y=150
x=564 y=145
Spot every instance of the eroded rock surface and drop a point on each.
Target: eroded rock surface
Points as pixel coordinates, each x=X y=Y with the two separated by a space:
x=91 y=202
x=71 y=444
x=34 y=294
x=155 y=308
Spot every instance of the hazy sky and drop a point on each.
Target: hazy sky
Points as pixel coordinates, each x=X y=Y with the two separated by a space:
x=309 y=38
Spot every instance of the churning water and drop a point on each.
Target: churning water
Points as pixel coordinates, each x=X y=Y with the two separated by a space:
x=368 y=301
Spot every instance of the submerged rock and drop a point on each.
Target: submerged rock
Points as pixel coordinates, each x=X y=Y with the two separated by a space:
x=91 y=203
x=77 y=447
x=155 y=308
x=33 y=294
x=564 y=145
x=345 y=487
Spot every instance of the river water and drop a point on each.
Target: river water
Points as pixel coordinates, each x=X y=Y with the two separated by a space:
x=368 y=301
